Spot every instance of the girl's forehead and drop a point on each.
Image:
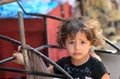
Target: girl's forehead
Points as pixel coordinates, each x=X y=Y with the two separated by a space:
x=79 y=35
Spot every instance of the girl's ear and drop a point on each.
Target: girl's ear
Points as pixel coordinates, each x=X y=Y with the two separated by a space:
x=91 y=44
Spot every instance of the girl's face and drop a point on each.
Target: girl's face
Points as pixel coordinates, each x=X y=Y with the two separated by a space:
x=78 y=47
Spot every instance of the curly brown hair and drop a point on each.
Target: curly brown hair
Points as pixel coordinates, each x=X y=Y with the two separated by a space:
x=72 y=26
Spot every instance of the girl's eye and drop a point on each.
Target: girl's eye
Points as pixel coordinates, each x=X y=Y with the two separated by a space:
x=82 y=42
x=71 y=42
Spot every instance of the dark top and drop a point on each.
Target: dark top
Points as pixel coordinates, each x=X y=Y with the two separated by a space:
x=92 y=69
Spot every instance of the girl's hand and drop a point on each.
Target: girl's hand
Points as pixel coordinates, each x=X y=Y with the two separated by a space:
x=18 y=58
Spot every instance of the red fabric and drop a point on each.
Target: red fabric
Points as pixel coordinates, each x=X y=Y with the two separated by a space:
x=34 y=32
x=56 y=54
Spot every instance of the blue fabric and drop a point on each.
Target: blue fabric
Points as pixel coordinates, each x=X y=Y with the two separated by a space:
x=31 y=6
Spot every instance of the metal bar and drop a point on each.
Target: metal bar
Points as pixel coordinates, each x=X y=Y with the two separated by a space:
x=6 y=60
x=23 y=42
x=54 y=46
x=31 y=73
x=111 y=44
x=10 y=40
x=6 y=1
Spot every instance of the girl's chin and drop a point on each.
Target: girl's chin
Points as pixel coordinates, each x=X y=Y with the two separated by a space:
x=77 y=57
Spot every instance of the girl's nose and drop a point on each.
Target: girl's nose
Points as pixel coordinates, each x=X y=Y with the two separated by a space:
x=77 y=46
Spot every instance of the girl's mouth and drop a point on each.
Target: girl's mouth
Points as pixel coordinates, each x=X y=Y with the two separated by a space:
x=77 y=53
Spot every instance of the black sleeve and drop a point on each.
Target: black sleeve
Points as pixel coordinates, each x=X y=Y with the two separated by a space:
x=99 y=69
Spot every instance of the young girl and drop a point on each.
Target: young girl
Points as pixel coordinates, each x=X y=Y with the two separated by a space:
x=78 y=35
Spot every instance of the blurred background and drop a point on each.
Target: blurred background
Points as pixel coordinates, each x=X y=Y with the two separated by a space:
x=39 y=32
